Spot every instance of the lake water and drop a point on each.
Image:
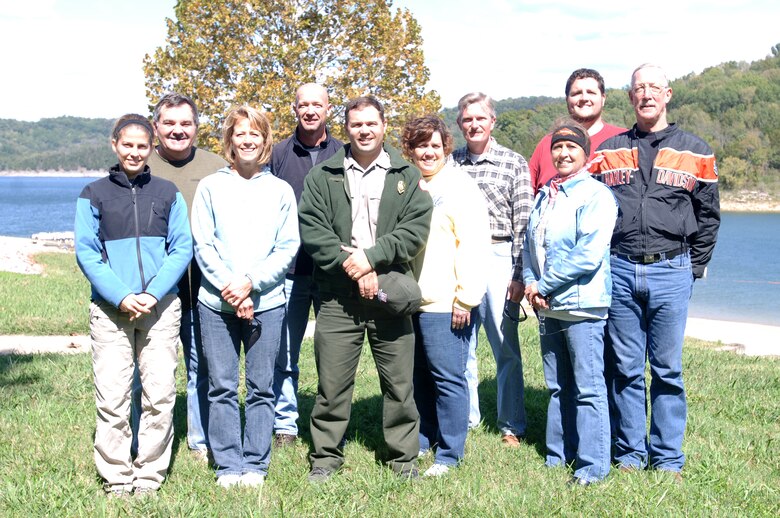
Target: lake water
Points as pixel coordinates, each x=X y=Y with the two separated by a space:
x=743 y=278
x=742 y=284
x=38 y=204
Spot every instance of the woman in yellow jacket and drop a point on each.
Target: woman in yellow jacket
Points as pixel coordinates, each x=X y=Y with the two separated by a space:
x=452 y=282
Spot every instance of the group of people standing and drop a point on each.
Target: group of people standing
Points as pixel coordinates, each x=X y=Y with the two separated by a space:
x=414 y=250
x=617 y=236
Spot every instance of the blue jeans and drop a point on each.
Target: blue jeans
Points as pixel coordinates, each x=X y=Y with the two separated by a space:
x=440 y=388
x=223 y=334
x=578 y=413
x=197 y=380
x=301 y=293
x=647 y=323
x=503 y=338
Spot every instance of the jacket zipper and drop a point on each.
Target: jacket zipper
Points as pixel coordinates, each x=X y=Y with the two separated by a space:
x=138 y=240
x=642 y=192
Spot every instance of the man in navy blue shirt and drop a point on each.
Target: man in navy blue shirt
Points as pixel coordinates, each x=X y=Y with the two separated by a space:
x=292 y=158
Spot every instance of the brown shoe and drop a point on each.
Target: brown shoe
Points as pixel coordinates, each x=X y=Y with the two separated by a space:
x=511 y=441
x=283 y=440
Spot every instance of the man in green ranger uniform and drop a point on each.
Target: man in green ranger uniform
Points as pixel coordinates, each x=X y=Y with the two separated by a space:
x=363 y=214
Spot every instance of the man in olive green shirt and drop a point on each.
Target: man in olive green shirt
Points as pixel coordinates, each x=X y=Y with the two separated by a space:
x=177 y=159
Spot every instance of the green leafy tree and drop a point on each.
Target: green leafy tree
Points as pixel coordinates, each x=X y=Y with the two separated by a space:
x=257 y=52
x=734 y=173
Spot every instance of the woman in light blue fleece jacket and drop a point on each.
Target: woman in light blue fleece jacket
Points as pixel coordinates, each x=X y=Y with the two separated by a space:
x=567 y=277
x=245 y=228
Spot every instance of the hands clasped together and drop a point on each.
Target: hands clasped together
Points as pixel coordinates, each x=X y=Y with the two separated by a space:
x=137 y=305
x=236 y=293
x=360 y=270
x=537 y=300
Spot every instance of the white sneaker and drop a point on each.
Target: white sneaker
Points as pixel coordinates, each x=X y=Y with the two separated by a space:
x=252 y=479
x=437 y=470
x=229 y=480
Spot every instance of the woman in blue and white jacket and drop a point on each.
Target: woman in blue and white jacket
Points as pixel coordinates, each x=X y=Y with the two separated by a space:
x=245 y=227
x=133 y=244
x=568 y=282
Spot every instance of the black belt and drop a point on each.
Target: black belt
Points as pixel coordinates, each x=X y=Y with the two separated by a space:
x=653 y=258
x=500 y=239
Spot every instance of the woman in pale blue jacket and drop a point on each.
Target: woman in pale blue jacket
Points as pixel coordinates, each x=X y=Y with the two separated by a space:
x=567 y=277
x=245 y=227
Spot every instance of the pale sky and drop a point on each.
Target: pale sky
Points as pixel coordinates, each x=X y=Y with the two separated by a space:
x=84 y=57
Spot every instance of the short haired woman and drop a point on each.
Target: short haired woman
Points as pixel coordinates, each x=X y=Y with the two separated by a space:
x=452 y=281
x=245 y=227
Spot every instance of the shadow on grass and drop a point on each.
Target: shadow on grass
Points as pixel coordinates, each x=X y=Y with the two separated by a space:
x=179 y=426
x=8 y=375
x=536 y=401
x=365 y=425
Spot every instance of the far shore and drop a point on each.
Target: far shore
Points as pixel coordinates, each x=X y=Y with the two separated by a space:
x=740 y=201
x=56 y=173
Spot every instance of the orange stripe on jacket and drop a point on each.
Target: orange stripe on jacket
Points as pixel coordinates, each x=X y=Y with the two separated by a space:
x=702 y=166
x=611 y=159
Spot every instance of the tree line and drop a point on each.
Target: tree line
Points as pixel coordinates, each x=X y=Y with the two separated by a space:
x=61 y=143
x=233 y=52
x=734 y=106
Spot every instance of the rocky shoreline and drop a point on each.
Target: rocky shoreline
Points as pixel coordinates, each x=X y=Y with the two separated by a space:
x=748 y=201
x=17 y=255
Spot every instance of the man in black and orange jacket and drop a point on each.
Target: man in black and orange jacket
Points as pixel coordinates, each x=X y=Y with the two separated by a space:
x=666 y=184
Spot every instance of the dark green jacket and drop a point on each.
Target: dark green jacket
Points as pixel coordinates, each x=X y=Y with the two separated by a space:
x=325 y=215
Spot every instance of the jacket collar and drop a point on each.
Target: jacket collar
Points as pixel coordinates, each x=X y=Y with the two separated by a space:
x=119 y=177
x=329 y=140
x=335 y=164
x=636 y=133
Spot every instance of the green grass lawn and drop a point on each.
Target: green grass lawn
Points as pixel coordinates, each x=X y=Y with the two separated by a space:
x=55 y=302
x=47 y=421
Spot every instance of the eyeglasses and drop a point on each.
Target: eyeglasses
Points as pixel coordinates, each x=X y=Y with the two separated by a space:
x=515 y=318
x=641 y=88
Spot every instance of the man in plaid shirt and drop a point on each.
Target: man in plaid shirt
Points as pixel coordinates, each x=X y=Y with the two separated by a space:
x=505 y=181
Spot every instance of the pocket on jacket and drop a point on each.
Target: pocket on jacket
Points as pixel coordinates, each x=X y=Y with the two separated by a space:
x=157 y=217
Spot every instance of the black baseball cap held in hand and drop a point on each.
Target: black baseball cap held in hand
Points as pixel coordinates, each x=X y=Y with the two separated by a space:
x=398 y=294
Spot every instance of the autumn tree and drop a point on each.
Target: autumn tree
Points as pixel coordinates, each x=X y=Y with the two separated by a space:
x=228 y=52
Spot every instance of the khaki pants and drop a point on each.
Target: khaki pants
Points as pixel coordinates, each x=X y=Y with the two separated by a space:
x=117 y=343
